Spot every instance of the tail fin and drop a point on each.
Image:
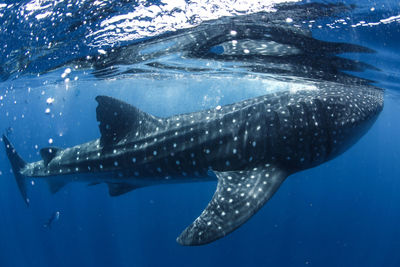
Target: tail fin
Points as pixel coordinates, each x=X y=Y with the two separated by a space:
x=17 y=163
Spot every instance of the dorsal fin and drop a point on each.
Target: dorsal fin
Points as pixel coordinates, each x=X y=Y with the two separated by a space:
x=48 y=153
x=118 y=119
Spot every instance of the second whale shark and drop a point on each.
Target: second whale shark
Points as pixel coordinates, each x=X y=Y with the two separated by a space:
x=250 y=147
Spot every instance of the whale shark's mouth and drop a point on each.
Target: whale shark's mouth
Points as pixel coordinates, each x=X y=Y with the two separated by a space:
x=255 y=47
x=295 y=87
x=272 y=86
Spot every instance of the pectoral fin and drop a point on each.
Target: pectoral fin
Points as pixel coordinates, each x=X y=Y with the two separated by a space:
x=239 y=195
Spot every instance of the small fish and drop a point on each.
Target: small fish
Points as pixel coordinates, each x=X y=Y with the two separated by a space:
x=9 y=131
x=54 y=217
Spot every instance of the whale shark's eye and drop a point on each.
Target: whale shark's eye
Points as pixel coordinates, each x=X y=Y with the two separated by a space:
x=218 y=50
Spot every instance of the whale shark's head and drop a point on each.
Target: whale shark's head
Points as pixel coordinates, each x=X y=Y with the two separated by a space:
x=325 y=122
x=349 y=113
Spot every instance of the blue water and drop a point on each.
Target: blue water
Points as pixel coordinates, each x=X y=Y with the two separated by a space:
x=344 y=212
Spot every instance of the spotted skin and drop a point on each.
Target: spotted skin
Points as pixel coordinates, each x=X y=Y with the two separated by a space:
x=250 y=147
x=238 y=196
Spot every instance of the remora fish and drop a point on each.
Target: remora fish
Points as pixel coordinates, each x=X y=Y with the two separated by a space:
x=250 y=146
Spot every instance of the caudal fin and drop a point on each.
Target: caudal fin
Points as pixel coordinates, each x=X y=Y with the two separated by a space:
x=17 y=164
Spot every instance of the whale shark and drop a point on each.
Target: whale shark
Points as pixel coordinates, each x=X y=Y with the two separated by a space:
x=249 y=147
